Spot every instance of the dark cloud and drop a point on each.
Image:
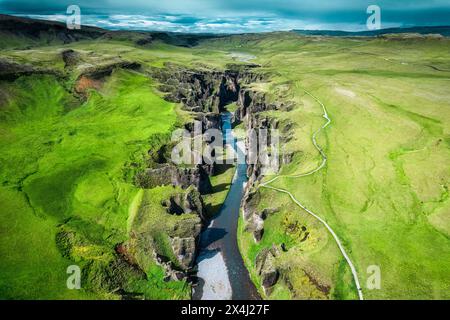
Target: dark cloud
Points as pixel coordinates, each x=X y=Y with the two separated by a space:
x=263 y=14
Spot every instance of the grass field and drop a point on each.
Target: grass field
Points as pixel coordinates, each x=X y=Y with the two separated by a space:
x=69 y=167
x=385 y=187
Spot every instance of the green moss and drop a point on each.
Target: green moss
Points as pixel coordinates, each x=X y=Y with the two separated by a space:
x=68 y=168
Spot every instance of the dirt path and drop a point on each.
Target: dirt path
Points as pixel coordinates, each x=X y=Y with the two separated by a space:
x=323 y=163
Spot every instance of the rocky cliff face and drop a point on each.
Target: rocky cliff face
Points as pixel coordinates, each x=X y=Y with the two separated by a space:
x=10 y=70
x=199 y=91
x=184 y=246
x=205 y=93
x=251 y=104
x=204 y=90
x=168 y=174
x=266 y=268
x=171 y=242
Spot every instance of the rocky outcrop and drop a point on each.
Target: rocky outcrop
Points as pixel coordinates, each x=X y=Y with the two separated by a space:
x=252 y=102
x=172 y=245
x=204 y=90
x=185 y=234
x=101 y=71
x=10 y=70
x=168 y=174
x=185 y=250
x=255 y=220
x=170 y=270
x=267 y=269
x=188 y=202
x=198 y=90
x=250 y=202
x=255 y=224
x=210 y=121
x=207 y=120
x=70 y=57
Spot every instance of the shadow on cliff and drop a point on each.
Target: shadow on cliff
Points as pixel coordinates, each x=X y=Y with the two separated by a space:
x=210 y=236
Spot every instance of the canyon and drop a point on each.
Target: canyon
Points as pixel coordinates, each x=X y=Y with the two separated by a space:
x=86 y=173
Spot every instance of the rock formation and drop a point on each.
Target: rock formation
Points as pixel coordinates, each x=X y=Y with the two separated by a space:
x=168 y=174
x=266 y=268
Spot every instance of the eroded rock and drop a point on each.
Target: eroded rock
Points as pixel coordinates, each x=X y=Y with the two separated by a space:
x=198 y=90
x=188 y=202
x=266 y=268
x=10 y=70
x=184 y=250
x=70 y=57
x=171 y=175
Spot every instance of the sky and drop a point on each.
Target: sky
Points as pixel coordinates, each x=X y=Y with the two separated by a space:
x=235 y=16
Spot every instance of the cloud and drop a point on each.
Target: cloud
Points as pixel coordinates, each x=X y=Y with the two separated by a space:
x=237 y=15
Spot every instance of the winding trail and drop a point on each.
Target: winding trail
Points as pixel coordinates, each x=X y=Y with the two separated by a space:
x=324 y=162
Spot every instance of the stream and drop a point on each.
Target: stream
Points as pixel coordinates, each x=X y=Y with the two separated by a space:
x=221 y=271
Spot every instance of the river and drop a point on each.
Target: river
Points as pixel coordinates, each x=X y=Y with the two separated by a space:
x=221 y=271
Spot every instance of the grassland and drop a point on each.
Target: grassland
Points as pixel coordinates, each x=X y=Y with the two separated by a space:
x=67 y=169
x=385 y=187
x=61 y=167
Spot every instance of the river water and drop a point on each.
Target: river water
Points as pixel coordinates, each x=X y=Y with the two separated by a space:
x=221 y=271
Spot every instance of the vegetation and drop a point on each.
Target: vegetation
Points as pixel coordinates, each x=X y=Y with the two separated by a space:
x=67 y=162
x=68 y=168
x=67 y=171
x=385 y=187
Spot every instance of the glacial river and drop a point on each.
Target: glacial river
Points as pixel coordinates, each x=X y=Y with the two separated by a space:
x=221 y=271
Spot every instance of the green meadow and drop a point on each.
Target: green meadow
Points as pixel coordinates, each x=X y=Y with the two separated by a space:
x=66 y=165
x=384 y=190
x=67 y=168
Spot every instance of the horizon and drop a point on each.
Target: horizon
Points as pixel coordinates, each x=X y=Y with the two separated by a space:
x=63 y=18
x=233 y=17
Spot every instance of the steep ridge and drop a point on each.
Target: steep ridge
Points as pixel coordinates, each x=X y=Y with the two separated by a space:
x=18 y=32
x=251 y=107
x=206 y=93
